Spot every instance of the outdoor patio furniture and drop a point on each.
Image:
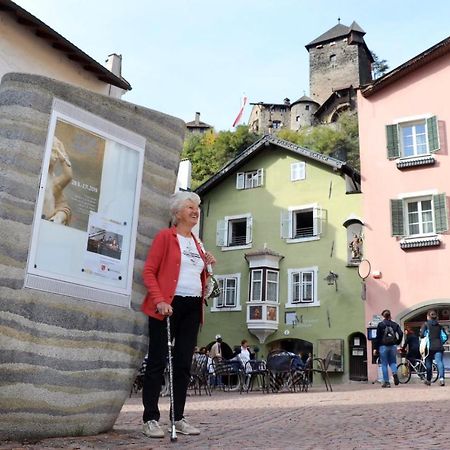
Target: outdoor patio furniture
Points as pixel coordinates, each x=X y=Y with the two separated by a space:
x=279 y=370
x=229 y=373
x=322 y=368
x=255 y=371
x=199 y=375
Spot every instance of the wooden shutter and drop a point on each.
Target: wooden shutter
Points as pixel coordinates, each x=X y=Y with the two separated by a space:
x=433 y=134
x=249 y=234
x=397 y=221
x=240 y=180
x=440 y=213
x=286 y=224
x=393 y=149
x=221 y=233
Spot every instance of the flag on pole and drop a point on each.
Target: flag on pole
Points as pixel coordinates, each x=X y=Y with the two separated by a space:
x=241 y=111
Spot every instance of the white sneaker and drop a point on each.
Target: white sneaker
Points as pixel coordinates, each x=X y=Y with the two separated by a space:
x=152 y=429
x=182 y=427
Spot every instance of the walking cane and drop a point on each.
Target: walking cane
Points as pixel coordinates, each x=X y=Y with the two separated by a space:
x=173 y=432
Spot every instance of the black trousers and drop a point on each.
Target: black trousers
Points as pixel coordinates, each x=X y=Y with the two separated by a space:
x=184 y=325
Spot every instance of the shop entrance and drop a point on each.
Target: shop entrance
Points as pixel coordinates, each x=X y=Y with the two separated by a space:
x=415 y=320
x=357 y=346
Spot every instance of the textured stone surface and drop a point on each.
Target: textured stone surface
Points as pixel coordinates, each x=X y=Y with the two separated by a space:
x=351 y=417
x=66 y=364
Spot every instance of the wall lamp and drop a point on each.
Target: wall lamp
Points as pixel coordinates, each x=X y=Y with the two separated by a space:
x=331 y=279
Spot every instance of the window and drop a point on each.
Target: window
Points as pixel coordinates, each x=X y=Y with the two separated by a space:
x=256 y=285
x=414 y=138
x=417 y=217
x=301 y=223
x=306 y=107
x=272 y=285
x=234 y=231
x=264 y=285
x=332 y=60
x=229 y=293
x=276 y=124
x=298 y=171
x=250 y=180
x=302 y=287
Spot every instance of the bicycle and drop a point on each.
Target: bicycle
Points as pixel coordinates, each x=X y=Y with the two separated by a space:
x=417 y=367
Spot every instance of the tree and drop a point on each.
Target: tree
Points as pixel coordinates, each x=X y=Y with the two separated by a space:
x=379 y=66
x=339 y=139
x=210 y=151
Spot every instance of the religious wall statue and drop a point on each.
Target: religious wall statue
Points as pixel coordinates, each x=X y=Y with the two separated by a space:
x=356 y=247
x=56 y=208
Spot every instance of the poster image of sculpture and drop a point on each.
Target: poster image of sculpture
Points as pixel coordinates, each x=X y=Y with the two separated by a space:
x=72 y=189
x=104 y=247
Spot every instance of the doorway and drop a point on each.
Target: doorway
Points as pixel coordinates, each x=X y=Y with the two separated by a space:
x=357 y=346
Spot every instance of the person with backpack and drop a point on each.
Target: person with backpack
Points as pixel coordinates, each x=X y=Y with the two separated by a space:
x=389 y=335
x=436 y=336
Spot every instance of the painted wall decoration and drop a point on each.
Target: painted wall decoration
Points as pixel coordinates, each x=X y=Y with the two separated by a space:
x=86 y=215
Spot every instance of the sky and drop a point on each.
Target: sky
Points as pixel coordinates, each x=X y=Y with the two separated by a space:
x=184 y=56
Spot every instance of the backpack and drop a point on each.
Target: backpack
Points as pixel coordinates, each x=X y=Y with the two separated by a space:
x=389 y=336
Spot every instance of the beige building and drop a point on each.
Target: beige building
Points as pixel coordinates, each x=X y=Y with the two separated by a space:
x=29 y=45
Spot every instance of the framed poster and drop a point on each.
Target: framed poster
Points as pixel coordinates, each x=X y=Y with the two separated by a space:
x=336 y=347
x=85 y=222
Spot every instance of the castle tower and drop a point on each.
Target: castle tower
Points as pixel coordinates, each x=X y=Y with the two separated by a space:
x=338 y=59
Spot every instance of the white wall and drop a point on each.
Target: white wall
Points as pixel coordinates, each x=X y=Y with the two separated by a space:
x=22 y=51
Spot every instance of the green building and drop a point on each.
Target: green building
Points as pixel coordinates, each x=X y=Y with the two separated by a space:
x=284 y=225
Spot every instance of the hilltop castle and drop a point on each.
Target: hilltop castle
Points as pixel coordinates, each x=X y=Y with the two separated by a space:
x=339 y=62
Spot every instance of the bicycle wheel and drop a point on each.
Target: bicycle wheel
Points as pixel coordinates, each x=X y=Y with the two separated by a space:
x=404 y=373
x=435 y=373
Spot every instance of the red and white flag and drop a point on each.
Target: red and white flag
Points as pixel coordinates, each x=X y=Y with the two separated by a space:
x=241 y=111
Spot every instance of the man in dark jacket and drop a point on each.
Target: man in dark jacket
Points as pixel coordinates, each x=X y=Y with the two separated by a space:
x=389 y=335
x=432 y=330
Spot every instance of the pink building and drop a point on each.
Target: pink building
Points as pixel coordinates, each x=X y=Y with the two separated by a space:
x=404 y=126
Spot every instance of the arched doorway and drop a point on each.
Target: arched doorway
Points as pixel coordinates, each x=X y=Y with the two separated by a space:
x=297 y=346
x=357 y=349
x=415 y=319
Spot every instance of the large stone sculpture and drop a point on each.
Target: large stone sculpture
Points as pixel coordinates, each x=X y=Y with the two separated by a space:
x=67 y=364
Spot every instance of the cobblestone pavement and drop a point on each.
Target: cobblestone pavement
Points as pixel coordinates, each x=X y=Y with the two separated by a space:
x=353 y=416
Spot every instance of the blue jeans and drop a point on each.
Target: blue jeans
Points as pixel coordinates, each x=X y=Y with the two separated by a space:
x=437 y=356
x=388 y=357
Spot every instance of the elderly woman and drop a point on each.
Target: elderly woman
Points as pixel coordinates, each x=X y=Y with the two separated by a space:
x=175 y=274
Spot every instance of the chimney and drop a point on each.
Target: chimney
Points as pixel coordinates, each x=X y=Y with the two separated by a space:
x=114 y=64
x=197 y=118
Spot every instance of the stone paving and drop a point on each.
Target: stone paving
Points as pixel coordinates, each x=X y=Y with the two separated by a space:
x=353 y=416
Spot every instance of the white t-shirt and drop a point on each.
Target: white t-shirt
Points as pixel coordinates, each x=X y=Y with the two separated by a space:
x=244 y=356
x=189 y=282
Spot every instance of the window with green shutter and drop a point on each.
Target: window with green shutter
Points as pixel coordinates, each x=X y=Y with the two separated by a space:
x=397 y=219
x=415 y=138
x=440 y=213
x=393 y=150
x=433 y=134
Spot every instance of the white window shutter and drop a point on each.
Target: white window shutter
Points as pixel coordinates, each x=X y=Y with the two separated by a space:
x=240 y=180
x=221 y=233
x=249 y=234
x=317 y=217
x=260 y=177
x=286 y=224
x=302 y=170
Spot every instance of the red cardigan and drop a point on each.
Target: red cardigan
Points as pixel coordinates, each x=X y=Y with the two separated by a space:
x=162 y=269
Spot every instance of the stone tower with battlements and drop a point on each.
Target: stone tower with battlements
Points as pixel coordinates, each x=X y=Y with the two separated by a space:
x=338 y=59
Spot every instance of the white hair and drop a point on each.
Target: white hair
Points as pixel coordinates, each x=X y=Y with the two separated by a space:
x=178 y=200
